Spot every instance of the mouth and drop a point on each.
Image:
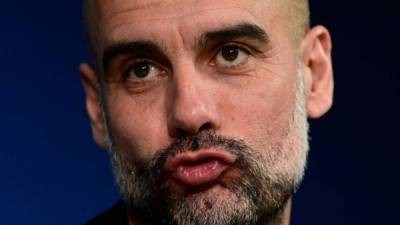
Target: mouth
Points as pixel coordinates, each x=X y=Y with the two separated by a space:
x=200 y=167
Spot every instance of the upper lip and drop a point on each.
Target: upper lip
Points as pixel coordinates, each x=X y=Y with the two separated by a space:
x=192 y=157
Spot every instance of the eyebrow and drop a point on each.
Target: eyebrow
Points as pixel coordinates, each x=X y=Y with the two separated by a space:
x=243 y=30
x=142 y=48
x=151 y=49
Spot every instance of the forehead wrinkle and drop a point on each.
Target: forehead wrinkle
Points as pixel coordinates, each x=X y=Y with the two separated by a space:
x=167 y=9
x=181 y=16
x=222 y=23
x=190 y=14
x=136 y=7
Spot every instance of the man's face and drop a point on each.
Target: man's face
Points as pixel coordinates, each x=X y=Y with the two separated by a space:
x=204 y=107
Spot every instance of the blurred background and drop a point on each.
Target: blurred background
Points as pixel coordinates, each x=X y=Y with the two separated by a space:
x=51 y=172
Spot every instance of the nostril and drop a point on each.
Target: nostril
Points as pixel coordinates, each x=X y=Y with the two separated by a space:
x=180 y=132
x=206 y=126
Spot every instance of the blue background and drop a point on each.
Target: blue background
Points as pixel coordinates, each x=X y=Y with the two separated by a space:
x=52 y=173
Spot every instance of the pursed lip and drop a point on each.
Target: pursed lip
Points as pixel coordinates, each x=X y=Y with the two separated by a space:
x=173 y=163
x=200 y=167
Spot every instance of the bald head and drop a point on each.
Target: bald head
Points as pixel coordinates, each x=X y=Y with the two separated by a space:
x=297 y=12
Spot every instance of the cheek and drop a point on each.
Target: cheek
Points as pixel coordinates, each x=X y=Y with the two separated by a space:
x=264 y=119
x=262 y=110
x=137 y=126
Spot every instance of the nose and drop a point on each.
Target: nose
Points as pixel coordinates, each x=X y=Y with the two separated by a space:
x=193 y=104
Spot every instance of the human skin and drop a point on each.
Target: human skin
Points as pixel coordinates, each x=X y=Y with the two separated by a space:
x=191 y=89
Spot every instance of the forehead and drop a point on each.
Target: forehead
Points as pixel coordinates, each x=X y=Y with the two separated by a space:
x=157 y=19
x=176 y=8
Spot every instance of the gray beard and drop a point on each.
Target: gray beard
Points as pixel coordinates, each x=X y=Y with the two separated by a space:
x=254 y=195
x=258 y=195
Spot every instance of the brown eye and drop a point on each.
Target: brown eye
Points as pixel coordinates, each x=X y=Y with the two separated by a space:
x=231 y=56
x=143 y=70
x=229 y=53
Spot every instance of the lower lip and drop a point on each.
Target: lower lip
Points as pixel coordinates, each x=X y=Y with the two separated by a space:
x=200 y=173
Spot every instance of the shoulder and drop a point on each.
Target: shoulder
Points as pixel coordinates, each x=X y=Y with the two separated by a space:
x=116 y=215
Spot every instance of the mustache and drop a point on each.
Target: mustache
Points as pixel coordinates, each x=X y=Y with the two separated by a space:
x=246 y=164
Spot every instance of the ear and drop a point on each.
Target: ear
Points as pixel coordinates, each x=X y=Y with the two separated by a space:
x=93 y=104
x=316 y=50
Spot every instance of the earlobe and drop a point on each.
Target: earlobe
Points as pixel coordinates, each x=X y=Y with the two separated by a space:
x=316 y=50
x=93 y=104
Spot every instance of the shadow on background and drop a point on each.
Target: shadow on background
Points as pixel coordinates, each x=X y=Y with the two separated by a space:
x=52 y=173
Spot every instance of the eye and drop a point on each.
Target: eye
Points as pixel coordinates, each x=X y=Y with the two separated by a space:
x=143 y=70
x=231 y=56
